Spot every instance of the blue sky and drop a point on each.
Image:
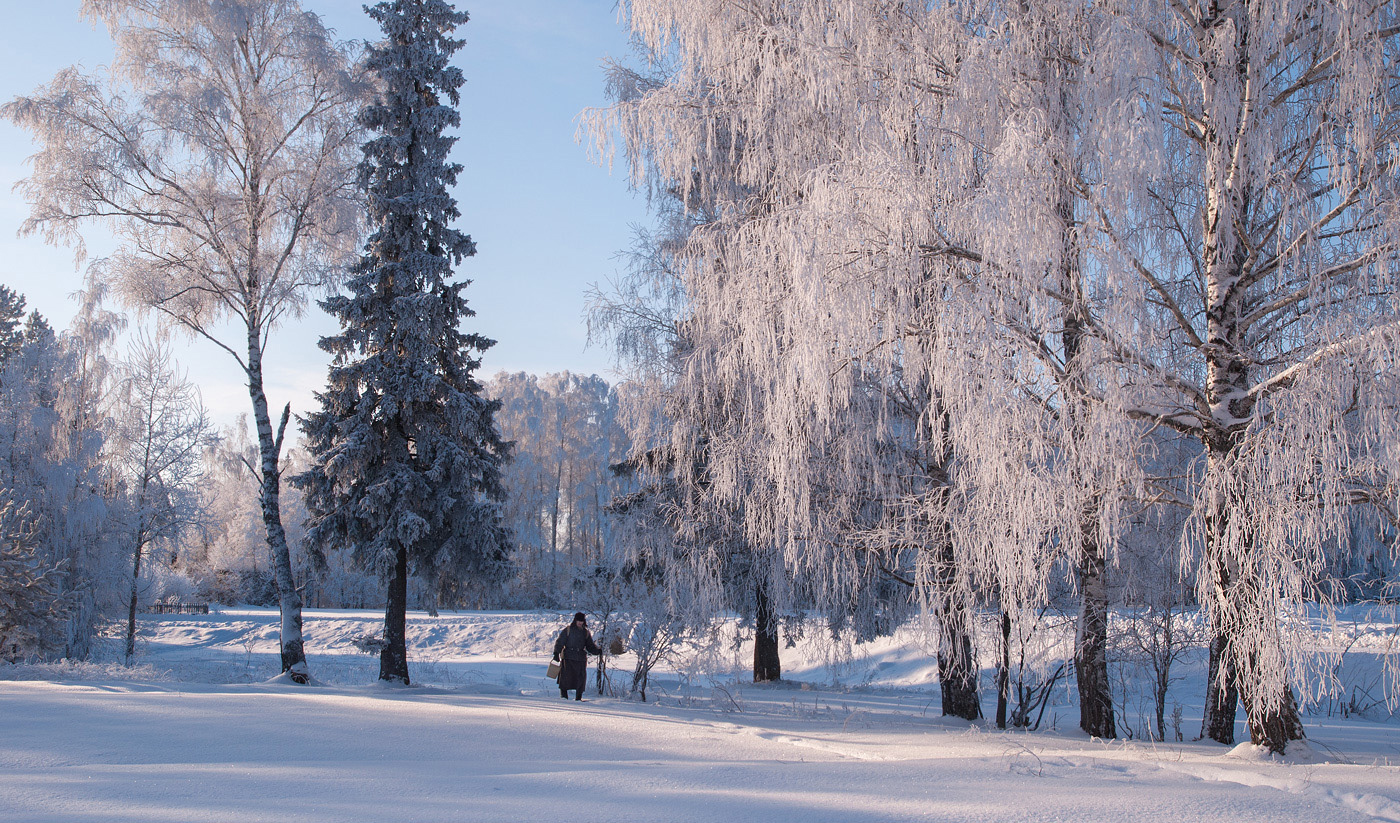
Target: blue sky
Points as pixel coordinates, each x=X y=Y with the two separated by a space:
x=547 y=222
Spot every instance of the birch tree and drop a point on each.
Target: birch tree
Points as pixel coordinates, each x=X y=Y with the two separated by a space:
x=219 y=149
x=673 y=421
x=810 y=289
x=161 y=432
x=1258 y=256
x=566 y=437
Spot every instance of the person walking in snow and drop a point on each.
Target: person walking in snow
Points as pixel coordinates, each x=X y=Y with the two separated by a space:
x=575 y=643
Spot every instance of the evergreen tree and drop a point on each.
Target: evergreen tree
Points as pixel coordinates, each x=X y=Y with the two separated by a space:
x=33 y=598
x=59 y=509
x=406 y=455
x=11 y=315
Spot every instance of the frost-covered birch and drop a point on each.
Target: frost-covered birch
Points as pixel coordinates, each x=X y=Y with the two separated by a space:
x=161 y=430
x=1253 y=249
x=1182 y=219
x=219 y=149
x=817 y=131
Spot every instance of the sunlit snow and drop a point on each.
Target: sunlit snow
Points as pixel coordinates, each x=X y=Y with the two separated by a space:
x=196 y=732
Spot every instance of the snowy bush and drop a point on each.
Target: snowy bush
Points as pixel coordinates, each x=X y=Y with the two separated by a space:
x=163 y=584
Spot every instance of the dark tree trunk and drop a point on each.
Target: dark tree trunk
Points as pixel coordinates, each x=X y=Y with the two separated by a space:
x=135 y=589
x=1164 y=677
x=1273 y=720
x=600 y=674
x=766 y=664
x=393 y=659
x=1276 y=726
x=957 y=664
x=957 y=674
x=1004 y=671
x=1222 y=693
x=1091 y=638
x=1091 y=646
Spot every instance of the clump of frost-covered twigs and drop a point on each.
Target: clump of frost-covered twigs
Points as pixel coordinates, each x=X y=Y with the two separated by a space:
x=85 y=670
x=369 y=643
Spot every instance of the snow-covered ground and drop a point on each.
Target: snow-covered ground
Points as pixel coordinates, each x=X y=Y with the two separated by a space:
x=201 y=731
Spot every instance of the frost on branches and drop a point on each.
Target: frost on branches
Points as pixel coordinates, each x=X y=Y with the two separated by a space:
x=33 y=602
x=1036 y=243
x=60 y=512
x=161 y=433
x=565 y=436
x=219 y=149
x=406 y=455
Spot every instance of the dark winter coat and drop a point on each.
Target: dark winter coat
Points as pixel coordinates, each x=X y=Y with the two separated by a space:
x=572 y=648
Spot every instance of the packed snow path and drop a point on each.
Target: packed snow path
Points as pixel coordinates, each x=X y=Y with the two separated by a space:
x=504 y=748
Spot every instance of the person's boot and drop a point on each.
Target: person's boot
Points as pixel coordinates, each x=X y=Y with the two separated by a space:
x=564 y=693
x=578 y=695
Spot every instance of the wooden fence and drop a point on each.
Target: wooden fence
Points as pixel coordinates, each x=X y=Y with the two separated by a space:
x=178 y=608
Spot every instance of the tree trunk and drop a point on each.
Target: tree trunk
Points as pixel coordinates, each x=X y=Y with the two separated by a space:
x=1274 y=726
x=1091 y=636
x=600 y=673
x=957 y=665
x=1164 y=676
x=135 y=585
x=767 y=666
x=1222 y=692
x=269 y=446
x=1271 y=715
x=1004 y=670
x=1242 y=600
x=554 y=523
x=141 y=502
x=1235 y=675
x=957 y=671
x=1091 y=644
x=570 y=544
x=393 y=658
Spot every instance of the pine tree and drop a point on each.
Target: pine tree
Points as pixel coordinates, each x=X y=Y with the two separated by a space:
x=11 y=315
x=33 y=600
x=406 y=455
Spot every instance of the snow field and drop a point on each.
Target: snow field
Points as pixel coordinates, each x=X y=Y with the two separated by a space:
x=196 y=733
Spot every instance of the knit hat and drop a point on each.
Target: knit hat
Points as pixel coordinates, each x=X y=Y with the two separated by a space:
x=580 y=618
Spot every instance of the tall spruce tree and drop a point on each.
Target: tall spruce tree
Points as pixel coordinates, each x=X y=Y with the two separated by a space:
x=406 y=455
